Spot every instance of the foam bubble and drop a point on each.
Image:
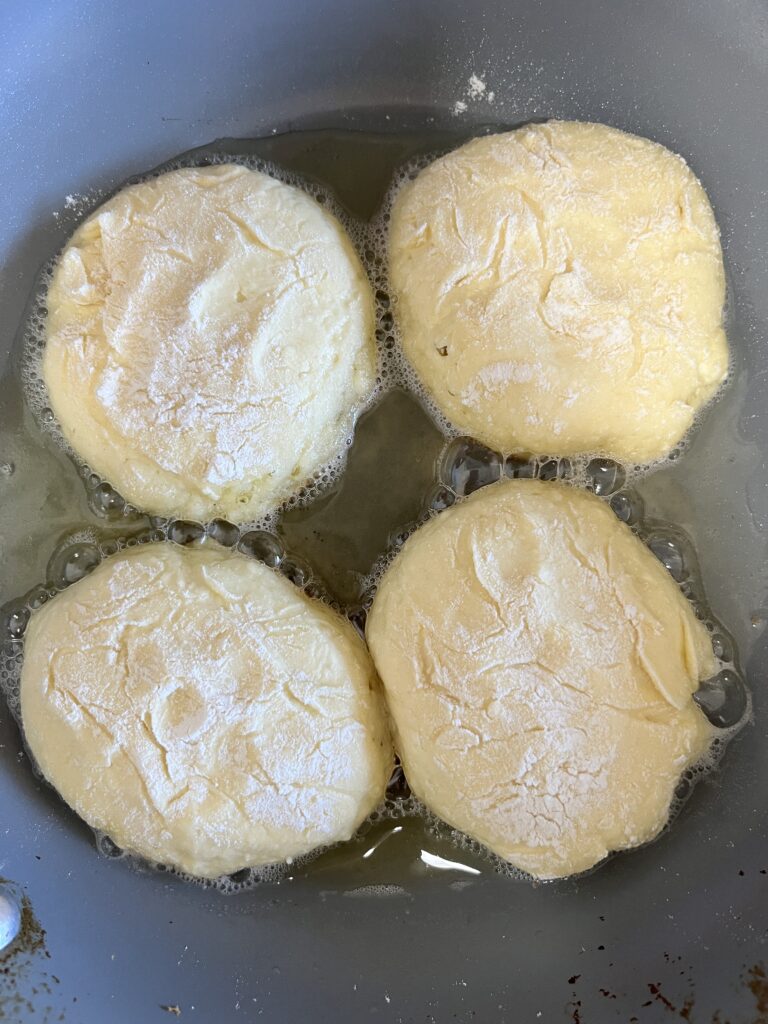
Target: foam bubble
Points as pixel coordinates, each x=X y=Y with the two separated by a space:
x=385 y=890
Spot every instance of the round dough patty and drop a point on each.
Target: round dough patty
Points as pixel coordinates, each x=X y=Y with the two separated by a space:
x=539 y=663
x=202 y=711
x=560 y=290
x=209 y=339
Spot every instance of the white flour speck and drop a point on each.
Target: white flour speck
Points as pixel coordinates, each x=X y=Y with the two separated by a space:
x=475 y=91
x=475 y=87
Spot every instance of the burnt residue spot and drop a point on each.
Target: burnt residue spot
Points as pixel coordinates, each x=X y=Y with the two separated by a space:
x=31 y=939
x=24 y=988
x=574 y=1008
x=32 y=935
x=684 y=1011
x=677 y=1006
x=757 y=983
x=443 y=350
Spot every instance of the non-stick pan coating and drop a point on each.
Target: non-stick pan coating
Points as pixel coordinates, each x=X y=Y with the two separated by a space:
x=91 y=93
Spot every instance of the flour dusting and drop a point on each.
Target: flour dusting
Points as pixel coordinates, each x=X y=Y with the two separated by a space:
x=475 y=91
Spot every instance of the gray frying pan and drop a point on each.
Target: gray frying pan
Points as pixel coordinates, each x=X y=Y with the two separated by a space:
x=92 y=93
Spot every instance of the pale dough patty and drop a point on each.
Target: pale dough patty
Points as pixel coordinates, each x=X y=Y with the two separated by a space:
x=538 y=664
x=202 y=711
x=209 y=339
x=560 y=289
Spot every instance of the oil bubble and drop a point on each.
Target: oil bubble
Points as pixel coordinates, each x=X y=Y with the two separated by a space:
x=554 y=469
x=262 y=545
x=106 y=502
x=604 y=476
x=107 y=847
x=224 y=532
x=671 y=552
x=628 y=506
x=399 y=537
x=37 y=598
x=723 y=699
x=440 y=499
x=468 y=465
x=683 y=789
x=722 y=648
x=73 y=563
x=184 y=531
x=518 y=468
x=298 y=572
x=15 y=621
x=241 y=876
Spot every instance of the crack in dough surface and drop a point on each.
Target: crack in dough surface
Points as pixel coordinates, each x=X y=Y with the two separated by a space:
x=202 y=711
x=538 y=663
x=209 y=340
x=560 y=290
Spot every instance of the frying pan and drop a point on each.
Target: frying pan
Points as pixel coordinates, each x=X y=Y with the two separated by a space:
x=91 y=93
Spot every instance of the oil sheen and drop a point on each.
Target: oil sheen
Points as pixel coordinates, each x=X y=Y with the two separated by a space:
x=337 y=533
